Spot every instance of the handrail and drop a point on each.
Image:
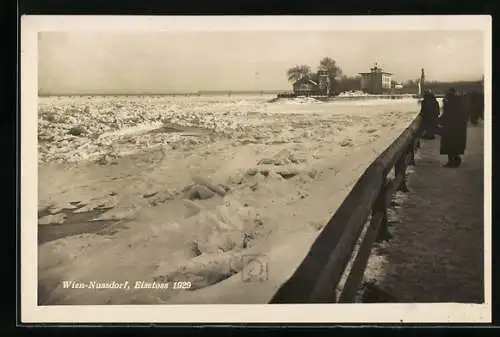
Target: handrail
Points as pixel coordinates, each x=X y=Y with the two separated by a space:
x=317 y=278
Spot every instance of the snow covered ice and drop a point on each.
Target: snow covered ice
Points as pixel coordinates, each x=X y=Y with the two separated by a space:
x=158 y=187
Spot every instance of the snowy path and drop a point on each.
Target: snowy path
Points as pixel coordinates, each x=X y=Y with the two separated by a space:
x=436 y=254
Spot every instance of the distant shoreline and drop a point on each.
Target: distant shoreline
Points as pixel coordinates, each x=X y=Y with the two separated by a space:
x=198 y=93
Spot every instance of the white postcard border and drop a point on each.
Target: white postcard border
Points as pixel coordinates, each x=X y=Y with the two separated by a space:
x=304 y=313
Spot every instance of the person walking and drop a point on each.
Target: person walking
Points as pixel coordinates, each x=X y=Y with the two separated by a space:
x=453 y=125
x=429 y=111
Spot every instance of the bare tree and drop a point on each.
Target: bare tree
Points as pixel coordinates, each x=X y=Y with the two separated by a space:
x=297 y=72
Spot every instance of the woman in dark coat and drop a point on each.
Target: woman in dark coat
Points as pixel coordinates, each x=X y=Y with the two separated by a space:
x=453 y=121
x=430 y=114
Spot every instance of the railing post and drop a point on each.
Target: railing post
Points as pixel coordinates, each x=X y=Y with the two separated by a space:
x=412 y=152
x=380 y=206
x=400 y=169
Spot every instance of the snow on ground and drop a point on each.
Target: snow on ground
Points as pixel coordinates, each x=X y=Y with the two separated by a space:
x=187 y=188
x=437 y=242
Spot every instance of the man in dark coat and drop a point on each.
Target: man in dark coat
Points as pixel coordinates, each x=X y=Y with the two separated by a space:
x=474 y=115
x=453 y=121
x=481 y=105
x=429 y=111
x=477 y=107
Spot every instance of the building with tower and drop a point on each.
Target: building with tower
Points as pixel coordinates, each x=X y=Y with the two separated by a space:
x=376 y=81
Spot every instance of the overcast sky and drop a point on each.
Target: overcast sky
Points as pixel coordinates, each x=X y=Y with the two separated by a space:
x=192 y=61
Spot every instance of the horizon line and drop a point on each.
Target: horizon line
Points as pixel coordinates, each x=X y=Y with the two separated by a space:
x=119 y=92
x=138 y=92
x=225 y=91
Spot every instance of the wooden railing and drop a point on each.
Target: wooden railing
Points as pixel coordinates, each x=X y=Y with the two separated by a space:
x=318 y=277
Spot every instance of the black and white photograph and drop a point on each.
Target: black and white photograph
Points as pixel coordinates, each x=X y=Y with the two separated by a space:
x=275 y=163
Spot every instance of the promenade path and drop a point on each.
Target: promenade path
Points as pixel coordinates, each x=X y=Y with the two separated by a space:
x=436 y=252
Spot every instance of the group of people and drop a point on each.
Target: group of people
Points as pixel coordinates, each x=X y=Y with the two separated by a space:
x=451 y=124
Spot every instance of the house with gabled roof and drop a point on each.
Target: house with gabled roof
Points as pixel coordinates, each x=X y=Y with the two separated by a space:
x=305 y=87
